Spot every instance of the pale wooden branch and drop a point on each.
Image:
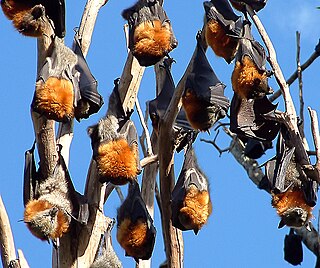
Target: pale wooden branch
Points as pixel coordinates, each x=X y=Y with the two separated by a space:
x=315 y=135
x=149 y=160
x=120 y=194
x=22 y=260
x=290 y=110
x=145 y=128
x=8 y=252
x=294 y=76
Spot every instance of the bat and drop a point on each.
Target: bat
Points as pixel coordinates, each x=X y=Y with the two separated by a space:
x=114 y=143
x=51 y=203
x=203 y=99
x=293 y=251
x=191 y=205
x=223 y=28
x=88 y=99
x=247 y=118
x=135 y=230
x=65 y=87
x=256 y=5
x=106 y=256
x=150 y=33
x=250 y=76
x=255 y=149
x=183 y=132
x=293 y=193
x=26 y=16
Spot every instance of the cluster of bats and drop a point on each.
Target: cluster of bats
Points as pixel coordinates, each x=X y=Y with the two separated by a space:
x=66 y=89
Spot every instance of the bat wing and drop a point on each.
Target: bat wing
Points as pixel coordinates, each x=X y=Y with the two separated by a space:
x=247 y=118
x=310 y=190
x=222 y=12
x=114 y=106
x=159 y=105
x=256 y=5
x=255 y=149
x=30 y=180
x=55 y=10
x=293 y=251
x=87 y=85
x=203 y=98
x=80 y=206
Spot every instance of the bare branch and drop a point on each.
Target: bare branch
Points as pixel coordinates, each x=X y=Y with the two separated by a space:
x=315 y=135
x=149 y=160
x=213 y=142
x=22 y=260
x=8 y=252
x=145 y=128
x=120 y=194
x=294 y=76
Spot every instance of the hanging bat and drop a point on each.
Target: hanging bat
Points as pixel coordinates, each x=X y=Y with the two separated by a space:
x=293 y=251
x=135 y=233
x=247 y=118
x=293 y=193
x=183 y=132
x=203 y=99
x=255 y=149
x=114 y=142
x=256 y=5
x=27 y=15
x=190 y=204
x=51 y=203
x=250 y=76
x=150 y=33
x=106 y=256
x=223 y=28
x=65 y=88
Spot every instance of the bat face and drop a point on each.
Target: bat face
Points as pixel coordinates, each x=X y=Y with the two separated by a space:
x=150 y=32
x=250 y=77
x=286 y=180
x=26 y=16
x=191 y=205
x=54 y=95
x=255 y=149
x=247 y=118
x=223 y=29
x=135 y=232
x=45 y=221
x=203 y=99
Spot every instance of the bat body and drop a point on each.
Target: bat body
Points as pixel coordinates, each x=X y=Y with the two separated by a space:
x=183 y=132
x=203 y=99
x=293 y=194
x=250 y=77
x=50 y=203
x=248 y=120
x=65 y=85
x=191 y=205
x=27 y=18
x=115 y=146
x=256 y=5
x=223 y=28
x=135 y=232
x=150 y=32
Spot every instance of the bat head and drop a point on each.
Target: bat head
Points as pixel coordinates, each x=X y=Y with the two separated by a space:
x=256 y=5
x=44 y=220
x=294 y=217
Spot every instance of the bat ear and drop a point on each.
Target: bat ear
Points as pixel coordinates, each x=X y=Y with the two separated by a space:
x=281 y=224
x=308 y=226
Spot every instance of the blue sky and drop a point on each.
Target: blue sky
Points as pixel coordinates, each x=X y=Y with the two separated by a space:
x=242 y=230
